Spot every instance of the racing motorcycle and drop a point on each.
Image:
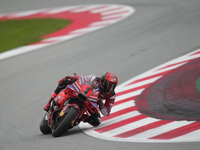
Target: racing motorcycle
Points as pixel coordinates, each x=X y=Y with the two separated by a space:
x=73 y=104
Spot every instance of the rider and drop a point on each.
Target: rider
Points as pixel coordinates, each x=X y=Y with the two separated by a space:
x=106 y=83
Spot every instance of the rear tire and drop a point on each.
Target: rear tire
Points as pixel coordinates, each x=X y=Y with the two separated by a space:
x=44 y=128
x=66 y=122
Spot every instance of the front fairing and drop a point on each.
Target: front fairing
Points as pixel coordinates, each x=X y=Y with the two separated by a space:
x=83 y=84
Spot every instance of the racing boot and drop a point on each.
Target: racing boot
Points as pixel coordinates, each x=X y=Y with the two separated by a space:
x=93 y=120
x=47 y=106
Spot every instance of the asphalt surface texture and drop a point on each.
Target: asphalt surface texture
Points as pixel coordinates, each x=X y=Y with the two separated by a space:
x=159 y=31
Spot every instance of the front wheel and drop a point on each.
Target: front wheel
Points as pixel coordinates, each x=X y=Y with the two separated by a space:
x=44 y=128
x=65 y=122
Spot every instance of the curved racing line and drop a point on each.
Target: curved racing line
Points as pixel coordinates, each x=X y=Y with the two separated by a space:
x=125 y=123
x=174 y=96
x=85 y=19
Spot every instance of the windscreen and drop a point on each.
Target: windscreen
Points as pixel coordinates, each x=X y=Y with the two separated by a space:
x=89 y=80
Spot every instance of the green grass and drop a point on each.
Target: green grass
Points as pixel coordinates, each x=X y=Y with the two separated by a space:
x=17 y=33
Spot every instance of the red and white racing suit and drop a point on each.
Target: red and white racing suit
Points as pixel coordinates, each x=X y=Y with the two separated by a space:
x=108 y=99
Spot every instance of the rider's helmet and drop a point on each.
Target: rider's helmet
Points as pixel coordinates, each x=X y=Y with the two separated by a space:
x=108 y=82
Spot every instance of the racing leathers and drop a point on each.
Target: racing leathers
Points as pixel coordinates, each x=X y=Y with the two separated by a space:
x=106 y=100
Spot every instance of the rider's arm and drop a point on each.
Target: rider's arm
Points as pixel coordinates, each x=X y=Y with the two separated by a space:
x=63 y=83
x=106 y=108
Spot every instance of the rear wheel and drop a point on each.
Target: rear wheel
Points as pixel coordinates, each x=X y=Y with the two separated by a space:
x=44 y=128
x=64 y=123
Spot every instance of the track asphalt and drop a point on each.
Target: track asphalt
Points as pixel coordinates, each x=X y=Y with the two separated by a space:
x=158 y=31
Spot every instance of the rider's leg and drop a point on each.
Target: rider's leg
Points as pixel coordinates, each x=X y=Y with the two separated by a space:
x=47 y=106
x=94 y=119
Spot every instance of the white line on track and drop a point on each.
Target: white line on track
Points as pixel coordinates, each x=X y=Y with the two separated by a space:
x=78 y=10
x=144 y=128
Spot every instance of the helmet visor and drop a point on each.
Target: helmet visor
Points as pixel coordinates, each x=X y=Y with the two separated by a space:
x=110 y=86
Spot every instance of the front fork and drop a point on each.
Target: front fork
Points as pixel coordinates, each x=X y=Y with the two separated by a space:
x=60 y=113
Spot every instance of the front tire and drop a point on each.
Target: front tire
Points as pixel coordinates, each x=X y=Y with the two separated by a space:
x=66 y=122
x=44 y=128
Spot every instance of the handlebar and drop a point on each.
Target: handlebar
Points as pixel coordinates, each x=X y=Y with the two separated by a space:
x=82 y=97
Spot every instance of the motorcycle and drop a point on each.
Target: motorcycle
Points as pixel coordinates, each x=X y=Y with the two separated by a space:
x=73 y=104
